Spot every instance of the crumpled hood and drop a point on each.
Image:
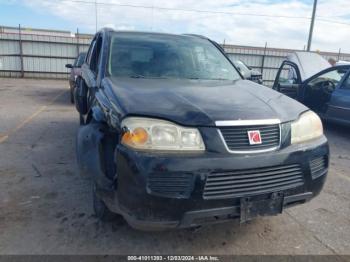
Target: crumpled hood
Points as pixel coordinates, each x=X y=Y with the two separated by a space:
x=201 y=103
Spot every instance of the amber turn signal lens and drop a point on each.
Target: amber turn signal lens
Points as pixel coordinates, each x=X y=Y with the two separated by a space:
x=138 y=136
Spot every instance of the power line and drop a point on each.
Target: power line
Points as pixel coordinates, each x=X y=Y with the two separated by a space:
x=319 y=18
x=332 y=21
x=181 y=9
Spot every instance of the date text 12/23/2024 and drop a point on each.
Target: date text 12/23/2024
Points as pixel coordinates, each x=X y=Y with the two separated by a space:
x=173 y=258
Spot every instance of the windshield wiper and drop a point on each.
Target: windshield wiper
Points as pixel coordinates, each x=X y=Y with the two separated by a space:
x=147 y=77
x=197 y=78
x=137 y=76
x=217 y=79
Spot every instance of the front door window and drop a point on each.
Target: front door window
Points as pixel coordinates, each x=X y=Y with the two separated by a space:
x=288 y=80
x=319 y=90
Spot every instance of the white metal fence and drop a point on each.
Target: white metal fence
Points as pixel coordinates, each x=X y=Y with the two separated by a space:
x=37 y=54
x=42 y=53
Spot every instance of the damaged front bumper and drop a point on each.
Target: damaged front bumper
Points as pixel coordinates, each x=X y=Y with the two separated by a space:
x=162 y=191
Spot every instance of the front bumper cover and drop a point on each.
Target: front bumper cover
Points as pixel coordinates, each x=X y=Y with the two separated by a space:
x=146 y=210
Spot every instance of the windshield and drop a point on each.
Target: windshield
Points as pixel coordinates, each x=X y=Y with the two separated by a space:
x=166 y=56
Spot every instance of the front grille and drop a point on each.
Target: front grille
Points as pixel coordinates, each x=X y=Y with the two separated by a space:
x=236 y=137
x=249 y=182
x=174 y=185
x=318 y=166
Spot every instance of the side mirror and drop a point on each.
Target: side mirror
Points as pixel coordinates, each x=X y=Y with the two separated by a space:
x=69 y=66
x=241 y=71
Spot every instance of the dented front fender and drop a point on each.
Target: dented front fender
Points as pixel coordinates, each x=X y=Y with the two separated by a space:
x=88 y=146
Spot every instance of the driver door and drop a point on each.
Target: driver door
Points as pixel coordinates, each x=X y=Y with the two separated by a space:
x=317 y=90
x=339 y=105
x=288 y=80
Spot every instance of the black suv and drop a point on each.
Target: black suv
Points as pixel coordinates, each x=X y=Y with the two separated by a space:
x=172 y=136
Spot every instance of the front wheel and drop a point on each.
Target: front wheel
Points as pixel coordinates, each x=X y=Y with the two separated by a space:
x=100 y=209
x=81 y=120
x=71 y=91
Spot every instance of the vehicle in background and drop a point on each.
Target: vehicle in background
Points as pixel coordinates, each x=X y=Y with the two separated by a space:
x=247 y=72
x=309 y=78
x=173 y=137
x=340 y=62
x=74 y=73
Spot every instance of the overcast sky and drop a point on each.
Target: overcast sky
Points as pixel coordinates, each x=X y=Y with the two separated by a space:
x=283 y=24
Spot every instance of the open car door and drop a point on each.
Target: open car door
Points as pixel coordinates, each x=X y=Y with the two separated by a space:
x=318 y=90
x=339 y=104
x=288 y=80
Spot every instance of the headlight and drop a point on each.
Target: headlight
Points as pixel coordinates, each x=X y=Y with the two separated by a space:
x=154 y=134
x=307 y=127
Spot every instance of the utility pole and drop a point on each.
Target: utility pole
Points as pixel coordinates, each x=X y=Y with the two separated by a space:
x=78 y=51
x=263 y=59
x=21 y=49
x=96 y=15
x=312 y=26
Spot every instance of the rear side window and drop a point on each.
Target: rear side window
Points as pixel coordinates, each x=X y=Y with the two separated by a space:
x=89 y=54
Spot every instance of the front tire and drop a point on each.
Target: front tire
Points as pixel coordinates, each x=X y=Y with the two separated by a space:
x=71 y=96
x=100 y=209
x=81 y=120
